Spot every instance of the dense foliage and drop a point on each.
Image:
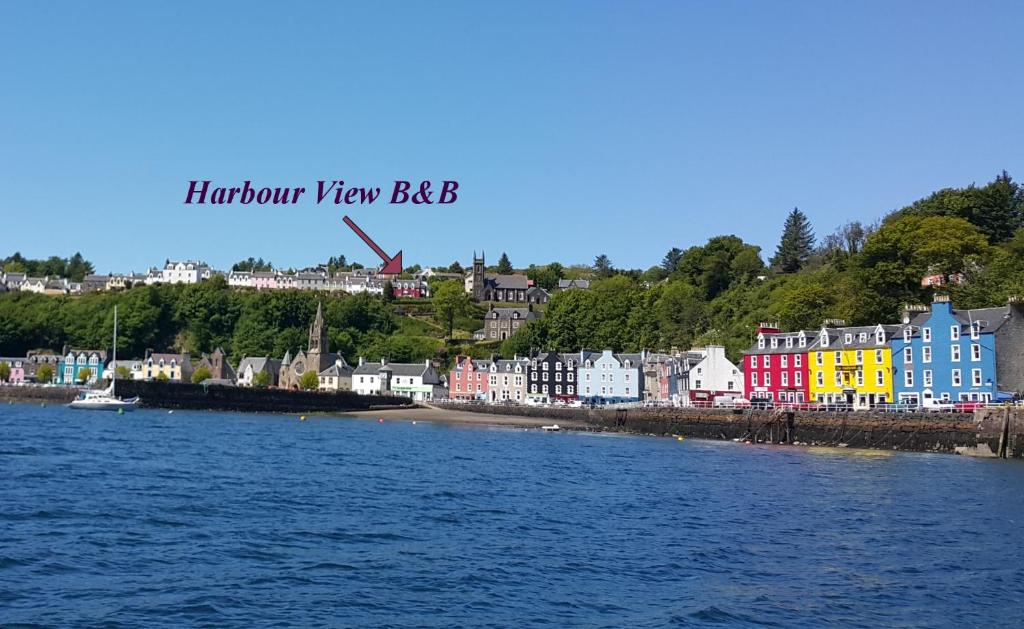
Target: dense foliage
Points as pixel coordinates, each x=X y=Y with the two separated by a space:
x=74 y=268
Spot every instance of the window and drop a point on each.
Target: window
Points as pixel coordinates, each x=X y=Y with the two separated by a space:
x=860 y=357
x=753 y=378
x=760 y=342
x=957 y=381
x=753 y=361
x=820 y=358
x=802 y=341
x=798 y=378
x=569 y=389
x=558 y=389
x=975 y=352
x=558 y=376
x=879 y=337
x=860 y=377
x=798 y=360
x=627 y=377
x=789 y=341
x=785 y=379
x=954 y=333
x=839 y=379
x=767 y=379
x=908 y=354
x=544 y=389
x=785 y=360
x=862 y=337
x=926 y=335
x=907 y=332
x=839 y=358
x=908 y=378
x=767 y=360
x=878 y=357
x=954 y=353
x=696 y=384
x=926 y=377
x=848 y=338
x=975 y=377
x=879 y=377
x=775 y=342
x=975 y=330
x=821 y=378
x=926 y=354
x=458 y=387
x=545 y=377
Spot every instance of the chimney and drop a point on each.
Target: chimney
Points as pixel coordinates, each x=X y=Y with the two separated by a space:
x=768 y=327
x=383 y=361
x=361 y=361
x=426 y=363
x=834 y=323
x=939 y=299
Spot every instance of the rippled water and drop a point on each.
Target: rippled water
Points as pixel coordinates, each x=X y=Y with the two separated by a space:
x=238 y=520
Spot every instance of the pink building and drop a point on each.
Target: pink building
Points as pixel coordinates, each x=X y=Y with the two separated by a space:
x=17 y=366
x=264 y=280
x=468 y=379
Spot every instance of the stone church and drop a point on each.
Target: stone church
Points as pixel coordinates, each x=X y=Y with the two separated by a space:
x=315 y=358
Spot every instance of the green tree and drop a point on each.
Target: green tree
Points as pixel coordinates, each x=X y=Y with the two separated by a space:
x=796 y=245
x=671 y=260
x=261 y=380
x=84 y=374
x=5 y=372
x=161 y=377
x=122 y=373
x=603 y=267
x=681 y=314
x=504 y=265
x=997 y=209
x=201 y=374
x=309 y=381
x=44 y=374
x=450 y=301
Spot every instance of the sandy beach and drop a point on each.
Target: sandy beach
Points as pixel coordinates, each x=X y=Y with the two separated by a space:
x=451 y=416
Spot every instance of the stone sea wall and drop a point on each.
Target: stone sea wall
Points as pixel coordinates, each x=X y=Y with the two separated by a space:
x=938 y=432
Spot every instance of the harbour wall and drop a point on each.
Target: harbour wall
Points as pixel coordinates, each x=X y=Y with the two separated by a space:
x=174 y=395
x=923 y=432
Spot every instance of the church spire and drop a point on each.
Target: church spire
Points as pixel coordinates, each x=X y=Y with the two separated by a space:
x=318 y=332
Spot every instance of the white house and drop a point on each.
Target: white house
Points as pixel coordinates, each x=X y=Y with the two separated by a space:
x=713 y=375
x=240 y=279
x=418 y=381
x=187 y=272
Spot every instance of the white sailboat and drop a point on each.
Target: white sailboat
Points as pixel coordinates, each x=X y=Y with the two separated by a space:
x=105 y=400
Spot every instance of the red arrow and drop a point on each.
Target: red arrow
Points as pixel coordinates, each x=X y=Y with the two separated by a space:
x=392 y=266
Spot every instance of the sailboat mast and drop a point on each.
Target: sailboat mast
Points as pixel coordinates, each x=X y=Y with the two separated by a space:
x=113 y=377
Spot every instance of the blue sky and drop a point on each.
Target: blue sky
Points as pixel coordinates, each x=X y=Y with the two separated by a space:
x=573 y=128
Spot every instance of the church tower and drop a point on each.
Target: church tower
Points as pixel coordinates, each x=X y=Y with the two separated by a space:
x=318 y=333
x=478 y=277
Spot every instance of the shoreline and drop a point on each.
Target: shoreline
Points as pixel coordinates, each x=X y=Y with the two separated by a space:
x=465 y=418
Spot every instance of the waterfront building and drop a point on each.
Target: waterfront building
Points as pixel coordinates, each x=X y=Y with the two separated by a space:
x=507 y=380
x=17 y=368
x=662 y=377
x=501 y=323
x=74 y=364
x=947 y=355
x=36 y=359
x=776 y=368
x=250 y=366
x=609 y=378
x=712 y=375
x=417 y=289
x=418 y=381
x=468 y=379
x=551 y=377
x=852 y=365
x=337 y=377
x=133 y=366
x=218 y=366
x=176 y=367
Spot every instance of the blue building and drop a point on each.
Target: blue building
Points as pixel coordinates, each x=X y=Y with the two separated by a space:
x=947 y=355
x=609 y=378
x=74 y=362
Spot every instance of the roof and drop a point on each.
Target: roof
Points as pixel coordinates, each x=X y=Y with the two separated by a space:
x=335 y=370
x=510 y=313
x=508 y=282
x=564 y=284
x=259 y=363
x=989 y=319
x=396 y=369
x=811 y=337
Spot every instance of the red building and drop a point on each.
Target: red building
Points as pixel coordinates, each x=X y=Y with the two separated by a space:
x=468 y=379
x=775 y=369
x=417 y=289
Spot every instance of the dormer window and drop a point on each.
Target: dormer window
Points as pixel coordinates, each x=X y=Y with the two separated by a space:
x=629 y=364
x=515 y=315
x=789 y=342
x=907 y=332
x=863 y=338
x=848 y=338
x=879 y=337
x=824 y=339
x=975 y=329
x=775 y=342
x=802 y=341
x=760 y=342
x=588 y=364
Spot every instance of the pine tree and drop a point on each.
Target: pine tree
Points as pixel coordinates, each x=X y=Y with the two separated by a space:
x=796 y=244
x=504 y=266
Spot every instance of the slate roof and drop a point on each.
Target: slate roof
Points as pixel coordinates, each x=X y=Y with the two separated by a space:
x=259 y=363
x=336 y=371
x=564 y=284
x=509 y=313
x=811 y=337
x=507 y=282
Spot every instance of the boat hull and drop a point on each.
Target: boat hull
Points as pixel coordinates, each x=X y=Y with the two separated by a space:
x=104 y=405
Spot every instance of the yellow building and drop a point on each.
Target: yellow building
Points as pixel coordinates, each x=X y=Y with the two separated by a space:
x=852 y=365
x=175 y=367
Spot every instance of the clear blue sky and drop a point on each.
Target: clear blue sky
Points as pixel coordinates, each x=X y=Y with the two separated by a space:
x=573 y=128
